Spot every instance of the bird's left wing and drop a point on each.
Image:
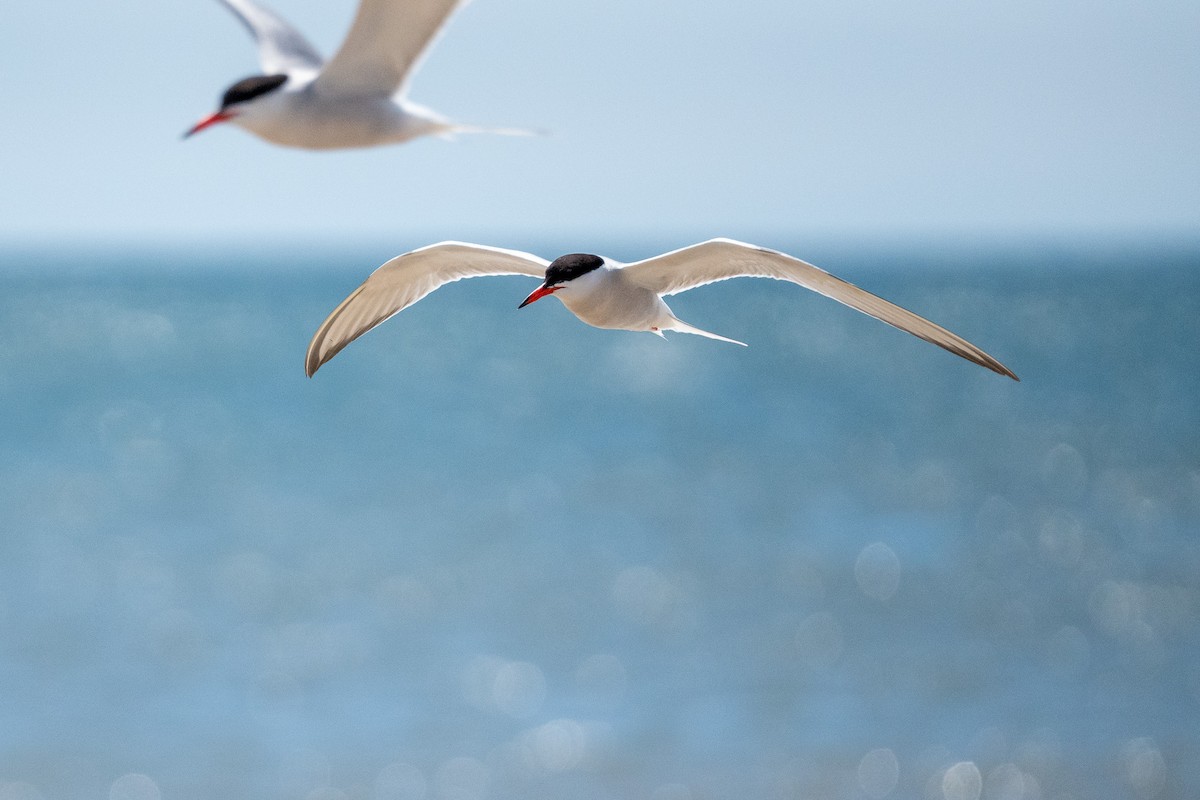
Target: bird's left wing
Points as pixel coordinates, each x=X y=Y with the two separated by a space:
x=403 y=281
x=722 y=259
x=282 y=50
x=385 y=43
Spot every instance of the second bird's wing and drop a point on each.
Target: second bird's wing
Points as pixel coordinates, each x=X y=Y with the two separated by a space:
x=282 y=49
x=403 y=281
x=722 y=259
x=384 y=45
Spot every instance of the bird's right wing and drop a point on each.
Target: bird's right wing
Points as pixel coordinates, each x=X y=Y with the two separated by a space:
x=384 y=46
x=403 y=281
x=722 y=259
x=282 y=50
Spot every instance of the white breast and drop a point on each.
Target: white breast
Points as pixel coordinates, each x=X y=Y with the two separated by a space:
x=604 y=298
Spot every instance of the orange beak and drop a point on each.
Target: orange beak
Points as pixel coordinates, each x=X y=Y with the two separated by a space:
x=210 y=120
x=538 y=294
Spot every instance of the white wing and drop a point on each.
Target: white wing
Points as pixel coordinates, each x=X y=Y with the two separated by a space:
x=384 y=45
x=403 y=281
x=721 y=259
x=282 y=49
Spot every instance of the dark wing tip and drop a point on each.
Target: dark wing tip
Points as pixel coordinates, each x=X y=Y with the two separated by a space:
x=995 y=366
x=984 y=360
x=314 y=360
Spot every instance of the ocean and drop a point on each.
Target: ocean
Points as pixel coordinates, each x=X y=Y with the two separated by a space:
x=490 y=554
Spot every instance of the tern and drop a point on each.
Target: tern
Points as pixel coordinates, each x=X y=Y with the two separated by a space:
x=605 y=293
x=356 y=99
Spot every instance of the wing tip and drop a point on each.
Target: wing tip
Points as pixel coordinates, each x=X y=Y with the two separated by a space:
x=315 y=358
x=311 y=364
x=994 y=365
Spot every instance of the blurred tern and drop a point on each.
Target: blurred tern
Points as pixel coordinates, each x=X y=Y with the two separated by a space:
x=606 y=293
x=357 y=98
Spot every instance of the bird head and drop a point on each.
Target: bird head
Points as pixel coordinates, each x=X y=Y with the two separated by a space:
x=562 y=272
x=238 y=98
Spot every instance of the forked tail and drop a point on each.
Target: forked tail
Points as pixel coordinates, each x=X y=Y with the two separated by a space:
x=683 y=327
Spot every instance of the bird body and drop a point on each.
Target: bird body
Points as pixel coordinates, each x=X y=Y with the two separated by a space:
x=356 y=99
x=609 y=297
x=605 y=293
x=606 y=298
x=300 y=117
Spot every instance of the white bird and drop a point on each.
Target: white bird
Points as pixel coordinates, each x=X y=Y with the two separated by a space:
x=356 y=99
x=606 y=293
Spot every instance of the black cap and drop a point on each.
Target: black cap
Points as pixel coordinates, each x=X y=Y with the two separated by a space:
x=250 y=88
x=569 y=267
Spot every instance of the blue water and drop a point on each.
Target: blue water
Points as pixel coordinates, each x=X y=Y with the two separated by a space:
x=490 y=554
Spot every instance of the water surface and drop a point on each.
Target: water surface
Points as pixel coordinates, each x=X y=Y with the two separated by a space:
x=490 y=554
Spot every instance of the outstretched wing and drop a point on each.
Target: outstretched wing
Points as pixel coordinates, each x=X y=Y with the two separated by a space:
x=403 y=281
x=722 y=259
x=282 y=49
x=384 y=45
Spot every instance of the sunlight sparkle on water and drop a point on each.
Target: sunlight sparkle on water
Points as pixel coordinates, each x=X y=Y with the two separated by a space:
x=962 y=782
x=134 y=786
x=878 y=773
x=877 y=571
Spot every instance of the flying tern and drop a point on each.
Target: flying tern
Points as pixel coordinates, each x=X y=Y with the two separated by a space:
x=356 y=99
x=605 y=293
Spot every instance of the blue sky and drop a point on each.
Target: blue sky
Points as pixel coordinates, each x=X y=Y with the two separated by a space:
x=671 y=119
